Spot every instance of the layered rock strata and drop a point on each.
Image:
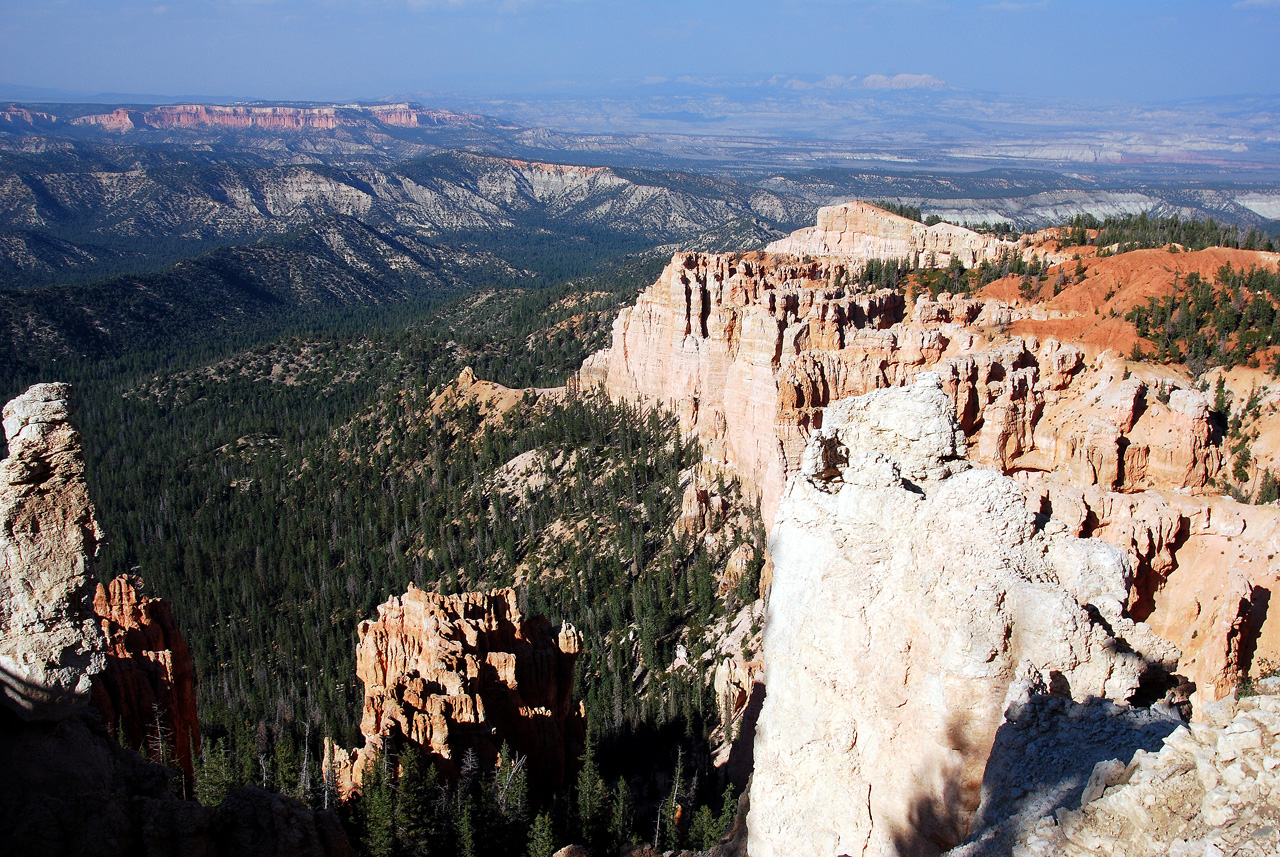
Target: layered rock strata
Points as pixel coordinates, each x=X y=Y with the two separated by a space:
x=914 y=598
x=459 y=674
x=275 y=118
x=50 y=642
x=147 y=693
x=860 y=231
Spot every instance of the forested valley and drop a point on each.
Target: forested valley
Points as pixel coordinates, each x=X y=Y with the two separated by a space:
x=275 y=493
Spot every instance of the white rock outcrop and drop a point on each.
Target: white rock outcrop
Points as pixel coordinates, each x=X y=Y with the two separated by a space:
x=51 y=643
x=914 y=600
x=860 y=231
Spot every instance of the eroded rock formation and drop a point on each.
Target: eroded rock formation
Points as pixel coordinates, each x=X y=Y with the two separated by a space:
x=148 y=688
x=914 y=598
x=861 y=231
x=50 y=642
x=750 y=350
x=458 y=673
x=711 y=337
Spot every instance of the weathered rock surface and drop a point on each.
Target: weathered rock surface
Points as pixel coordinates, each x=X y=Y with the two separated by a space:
x=148 y=689
x=50 y=642
x=750 y=350
x=458 y=673
x=1046 y=759
x=913 y=599
x=1205 y=568
x=711 y=337
x=860 y=231
x=1212 y=789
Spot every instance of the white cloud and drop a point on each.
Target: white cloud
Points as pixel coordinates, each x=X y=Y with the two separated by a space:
x=903 y=81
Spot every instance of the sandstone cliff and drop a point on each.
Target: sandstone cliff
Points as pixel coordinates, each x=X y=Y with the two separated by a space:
x=275 y=118
x=859 y=231
x=50 y=642
x=915 y=598
x=148 y=689
x=750 y=350
x=454 y=674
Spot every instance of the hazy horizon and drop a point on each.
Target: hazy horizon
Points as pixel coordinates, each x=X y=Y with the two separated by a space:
x=1147 y=52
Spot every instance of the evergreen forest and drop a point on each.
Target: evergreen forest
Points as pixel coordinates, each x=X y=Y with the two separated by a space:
x=275 y=494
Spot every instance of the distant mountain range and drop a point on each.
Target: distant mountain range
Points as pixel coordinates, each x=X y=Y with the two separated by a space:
x=122 y=225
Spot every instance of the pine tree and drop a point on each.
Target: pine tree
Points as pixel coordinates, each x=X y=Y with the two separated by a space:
x=593 y=797
x=421 y=825
x=285 y=768
x=671 y=811
x=467 y=834
x=620 y=819
x=1269 y=489
x=214 y=777
x=542 y=841
x=377 y=810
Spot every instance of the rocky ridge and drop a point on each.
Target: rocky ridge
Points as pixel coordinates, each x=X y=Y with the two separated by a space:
x=751 y=349
x=915 y=598
x=860 y=231
x=459 y=674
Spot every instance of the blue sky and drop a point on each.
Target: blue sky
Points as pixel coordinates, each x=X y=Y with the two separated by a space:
x=1141 y=51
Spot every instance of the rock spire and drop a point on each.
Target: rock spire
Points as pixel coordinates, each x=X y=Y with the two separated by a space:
x=50 y=642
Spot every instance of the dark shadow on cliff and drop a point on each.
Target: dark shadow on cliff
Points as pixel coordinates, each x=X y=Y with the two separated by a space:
x=69 y=788
x=937 y=819
x=1259 y=603
x=742 y=756
x=1043 y=756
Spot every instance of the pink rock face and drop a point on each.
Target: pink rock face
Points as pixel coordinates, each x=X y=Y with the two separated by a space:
x=148 y=689
x=458 y=673
x=265 y=117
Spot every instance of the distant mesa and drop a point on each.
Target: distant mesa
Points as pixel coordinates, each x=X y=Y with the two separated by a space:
x=248 y=116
